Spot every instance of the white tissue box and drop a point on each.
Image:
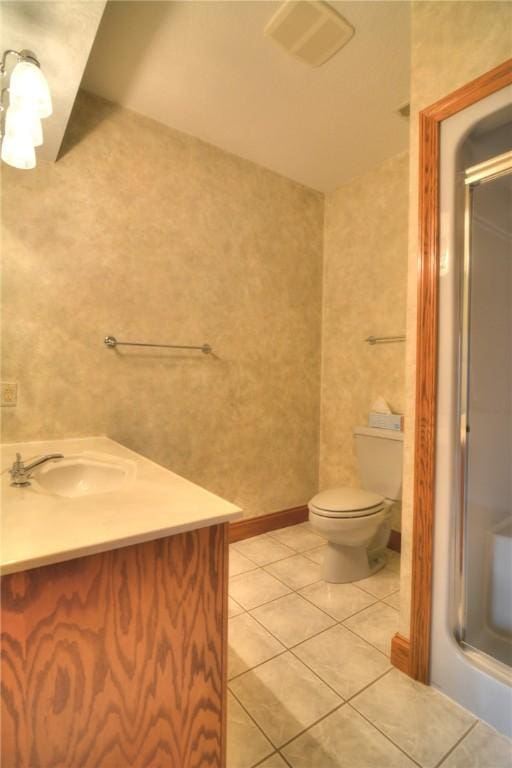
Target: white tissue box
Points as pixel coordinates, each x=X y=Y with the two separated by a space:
x=386 y=420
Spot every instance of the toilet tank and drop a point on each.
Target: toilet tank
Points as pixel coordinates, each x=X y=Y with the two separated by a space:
x=379 y=454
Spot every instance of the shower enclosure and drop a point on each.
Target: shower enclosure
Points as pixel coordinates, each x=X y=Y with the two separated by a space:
x=485 y=522
x=471 y=641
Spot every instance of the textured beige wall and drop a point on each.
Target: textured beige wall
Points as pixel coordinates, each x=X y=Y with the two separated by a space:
x=452 y=43
x=147 y=234
x=365 y=274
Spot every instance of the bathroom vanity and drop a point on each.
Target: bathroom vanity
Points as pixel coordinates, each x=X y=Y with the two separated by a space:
x=114 y=611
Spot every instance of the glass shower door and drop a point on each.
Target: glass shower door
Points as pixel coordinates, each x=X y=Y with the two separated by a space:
x=485 y=616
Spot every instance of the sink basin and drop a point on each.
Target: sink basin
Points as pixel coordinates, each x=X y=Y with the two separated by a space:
x=83 y=474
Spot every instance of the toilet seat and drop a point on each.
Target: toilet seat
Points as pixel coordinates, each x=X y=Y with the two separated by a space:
x=346 y=502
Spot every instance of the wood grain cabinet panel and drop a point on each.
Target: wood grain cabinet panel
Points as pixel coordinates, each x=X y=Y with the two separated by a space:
x=118 y=659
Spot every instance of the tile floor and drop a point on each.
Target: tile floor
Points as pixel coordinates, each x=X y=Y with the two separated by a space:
x=310 y=683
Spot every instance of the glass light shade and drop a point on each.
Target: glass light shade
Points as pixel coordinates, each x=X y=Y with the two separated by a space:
x=24 y=125
x=28 y=89
x=37 y=130
x=18 y=153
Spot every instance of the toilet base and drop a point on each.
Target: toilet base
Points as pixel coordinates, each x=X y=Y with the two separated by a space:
x=345 y=564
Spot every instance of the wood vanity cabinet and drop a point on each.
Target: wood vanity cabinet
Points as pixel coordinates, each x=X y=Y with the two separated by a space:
x=118 y=659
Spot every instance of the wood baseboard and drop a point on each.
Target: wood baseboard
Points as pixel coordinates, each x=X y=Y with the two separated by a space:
x=400 y=653
x=395 y=541
x=253 y=526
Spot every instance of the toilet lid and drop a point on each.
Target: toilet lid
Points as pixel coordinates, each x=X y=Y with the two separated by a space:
x=350 y=502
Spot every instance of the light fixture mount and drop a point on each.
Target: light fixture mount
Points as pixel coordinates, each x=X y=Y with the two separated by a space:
x=24 y=55
x=29 y=102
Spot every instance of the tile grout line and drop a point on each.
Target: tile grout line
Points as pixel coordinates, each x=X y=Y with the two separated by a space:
x=305 y=730
x=276 y=752
x=256 y=666
x=376 y=600
x=388 y=655
x=388 y=738
x=372 y=724
x=291 y=649
x=297 y=592
x=300 y=733
x=438 y=764
x=454 y=747
x=288 y=648
x=349 y=698
x=273 y=541
x=285 y=759
x=242 y=573
x=292 y=549
x=291 y=590
x=251 y=718
x=347 y=703
x=267 y=602
x=337 y=622
x=264 y=567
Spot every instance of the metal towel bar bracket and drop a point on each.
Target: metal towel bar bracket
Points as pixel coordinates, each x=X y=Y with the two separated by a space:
x=111 y=341
x=384 y=339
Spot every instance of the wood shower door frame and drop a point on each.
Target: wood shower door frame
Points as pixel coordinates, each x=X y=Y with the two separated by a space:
x=417 y=661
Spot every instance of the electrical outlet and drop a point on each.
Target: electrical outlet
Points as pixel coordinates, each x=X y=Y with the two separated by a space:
x=9 y=393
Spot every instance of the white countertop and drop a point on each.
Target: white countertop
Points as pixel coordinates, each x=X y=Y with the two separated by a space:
x=41 y=528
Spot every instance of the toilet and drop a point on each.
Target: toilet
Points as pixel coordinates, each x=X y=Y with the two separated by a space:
x=357 y=521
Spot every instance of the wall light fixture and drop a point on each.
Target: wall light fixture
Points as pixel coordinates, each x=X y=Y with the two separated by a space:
x=29 y=101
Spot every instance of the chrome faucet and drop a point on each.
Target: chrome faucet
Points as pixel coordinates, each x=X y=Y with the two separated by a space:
x=21 y=474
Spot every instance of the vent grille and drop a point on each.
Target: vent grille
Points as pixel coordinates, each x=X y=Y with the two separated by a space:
x=310 y=30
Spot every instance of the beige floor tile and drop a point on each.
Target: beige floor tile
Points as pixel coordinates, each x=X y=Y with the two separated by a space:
x=263 y=549
x=393 y=600
x=376 y=624
x=419 y=719
x=381 y=584
x=316 y=555
x=344 y=740
x=482 y=748
x=274 y=761
x=284 y=697
x=233 y=608
x=238 y=563
x=338 y=600
x=246 y=743
x=292 y=619
x=297 y=537
x=346 y=662
x=255 y=587
x=393 y=559
x=296 y=571
x=249 y=644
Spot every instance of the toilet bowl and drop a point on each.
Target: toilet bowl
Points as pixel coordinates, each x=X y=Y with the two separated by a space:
x=356 y=522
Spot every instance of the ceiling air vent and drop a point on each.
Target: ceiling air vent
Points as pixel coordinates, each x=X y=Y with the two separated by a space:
x=310 y=30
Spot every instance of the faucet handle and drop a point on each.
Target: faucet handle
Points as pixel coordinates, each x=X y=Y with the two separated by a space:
x=17 y=466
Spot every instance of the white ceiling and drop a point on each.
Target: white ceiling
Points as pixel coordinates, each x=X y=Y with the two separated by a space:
x=205 y=68
x=61 y=35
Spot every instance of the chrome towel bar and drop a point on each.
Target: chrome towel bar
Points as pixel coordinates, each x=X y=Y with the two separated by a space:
x=384 y=339
x=111 y=341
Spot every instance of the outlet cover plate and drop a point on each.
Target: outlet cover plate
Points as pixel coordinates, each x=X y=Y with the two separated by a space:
x=9 y=393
